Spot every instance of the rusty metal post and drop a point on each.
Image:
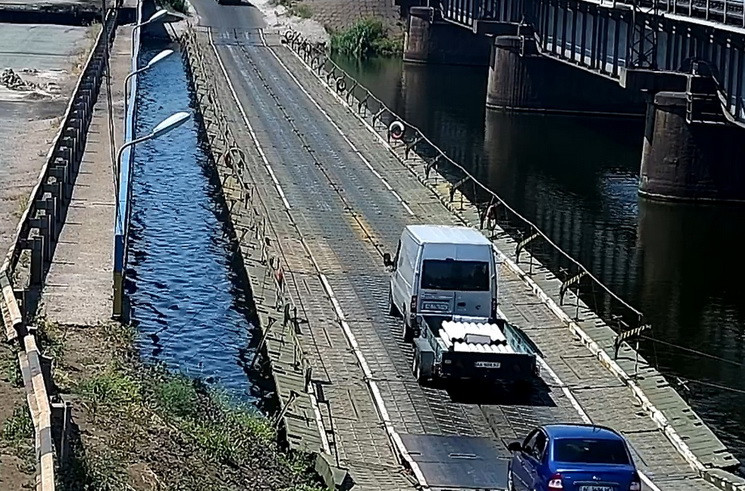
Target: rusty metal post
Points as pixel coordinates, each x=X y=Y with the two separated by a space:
x=37 y=260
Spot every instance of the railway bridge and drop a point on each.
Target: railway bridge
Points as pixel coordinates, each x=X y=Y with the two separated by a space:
x=678 y=62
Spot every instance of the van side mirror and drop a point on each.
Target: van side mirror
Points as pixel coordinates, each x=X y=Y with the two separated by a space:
x=515 y=447
x=387 y=261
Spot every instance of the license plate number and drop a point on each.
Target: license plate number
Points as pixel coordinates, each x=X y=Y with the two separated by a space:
x=434 y=306
x=496 y=364
x=592 y=487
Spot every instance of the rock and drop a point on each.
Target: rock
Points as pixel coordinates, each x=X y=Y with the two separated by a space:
x=13 y=81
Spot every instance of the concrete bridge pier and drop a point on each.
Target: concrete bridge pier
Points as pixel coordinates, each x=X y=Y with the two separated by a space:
x=687 y=158
x=431 y=40
x=521 y=78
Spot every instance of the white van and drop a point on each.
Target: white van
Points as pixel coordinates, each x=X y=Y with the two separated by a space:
x=442 y=271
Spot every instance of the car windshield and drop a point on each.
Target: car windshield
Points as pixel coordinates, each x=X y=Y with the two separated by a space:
x=455 y=275
x=590 y=451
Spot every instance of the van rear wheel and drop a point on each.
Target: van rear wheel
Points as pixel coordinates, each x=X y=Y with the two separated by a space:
x=406 y=332
x=417 y=369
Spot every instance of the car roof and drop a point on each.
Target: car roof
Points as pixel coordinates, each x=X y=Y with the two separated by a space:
x=581 y=431
x=447 y=234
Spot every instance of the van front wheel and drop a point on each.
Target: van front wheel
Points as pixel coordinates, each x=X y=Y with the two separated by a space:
x=392 y=309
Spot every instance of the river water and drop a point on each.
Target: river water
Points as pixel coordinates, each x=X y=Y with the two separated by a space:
x=576 y=178
x=188 y=296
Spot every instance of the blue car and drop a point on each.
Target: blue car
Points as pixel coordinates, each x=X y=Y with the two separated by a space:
x=572 y=458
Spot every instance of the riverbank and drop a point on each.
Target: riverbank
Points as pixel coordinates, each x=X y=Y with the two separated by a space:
x=354 y=27
x=39 y=67
x=141 y=426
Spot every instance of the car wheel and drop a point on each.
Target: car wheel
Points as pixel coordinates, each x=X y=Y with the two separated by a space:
x=406 y=332
x=417 y=369
x=392 y=309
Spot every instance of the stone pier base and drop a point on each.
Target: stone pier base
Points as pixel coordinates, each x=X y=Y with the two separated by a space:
x=683 y=161
x=520 y=78
x=429 y=40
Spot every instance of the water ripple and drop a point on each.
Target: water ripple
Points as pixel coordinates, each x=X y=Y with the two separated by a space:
x=188 y=301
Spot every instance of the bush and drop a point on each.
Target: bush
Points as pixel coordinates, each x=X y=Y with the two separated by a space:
x=178 y=396
x=175 y=5
x=301 y=10
x=367 y=37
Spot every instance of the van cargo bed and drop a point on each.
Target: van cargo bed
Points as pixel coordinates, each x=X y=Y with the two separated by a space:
x=456 y=350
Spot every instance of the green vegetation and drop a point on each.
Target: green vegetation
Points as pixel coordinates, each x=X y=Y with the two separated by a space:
x=18 y=428
x=10 y=371
x=301 y=10
x=18 y=434
x=163 y=426
x=294 y=7
x=175 y=5
x=366 y=37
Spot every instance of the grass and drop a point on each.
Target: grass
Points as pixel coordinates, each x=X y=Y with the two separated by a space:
x=298 y=9
x=228 y=439
x=365 y=38
x=18 y=428
x=10 y=370
x=302 y=10
x=109 y=390
x=51 y=338
x=100 y=471
x=18 y=434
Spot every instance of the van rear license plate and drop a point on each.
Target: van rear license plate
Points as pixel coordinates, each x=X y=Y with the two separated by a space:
x=595 y=487
x=490 y=364
x=434 y=306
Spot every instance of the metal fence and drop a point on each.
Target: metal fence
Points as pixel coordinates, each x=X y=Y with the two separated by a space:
x=497 y=218
x=728 y=12
x=26 y=263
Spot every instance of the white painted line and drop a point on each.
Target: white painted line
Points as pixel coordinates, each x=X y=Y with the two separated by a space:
x=346 y=104
x=319 y=421
x=336 y=127
x=377 y=397
x=248 y=124
x=312 y=395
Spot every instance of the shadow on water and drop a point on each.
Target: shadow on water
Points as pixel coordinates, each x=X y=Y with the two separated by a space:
x=188 y=292
x=576 y=178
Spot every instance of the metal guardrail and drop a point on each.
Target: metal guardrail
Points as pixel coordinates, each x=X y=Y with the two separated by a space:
x=37 y=232
x=496 y=216
x=124 y=176
x=727 y=12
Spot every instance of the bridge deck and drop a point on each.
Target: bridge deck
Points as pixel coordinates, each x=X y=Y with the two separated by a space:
x=347 y=199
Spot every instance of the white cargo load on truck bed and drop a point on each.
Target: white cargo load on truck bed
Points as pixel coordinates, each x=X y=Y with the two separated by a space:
x=473 y=337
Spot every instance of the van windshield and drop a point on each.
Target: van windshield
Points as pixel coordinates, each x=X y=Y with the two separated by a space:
x=455 y=275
